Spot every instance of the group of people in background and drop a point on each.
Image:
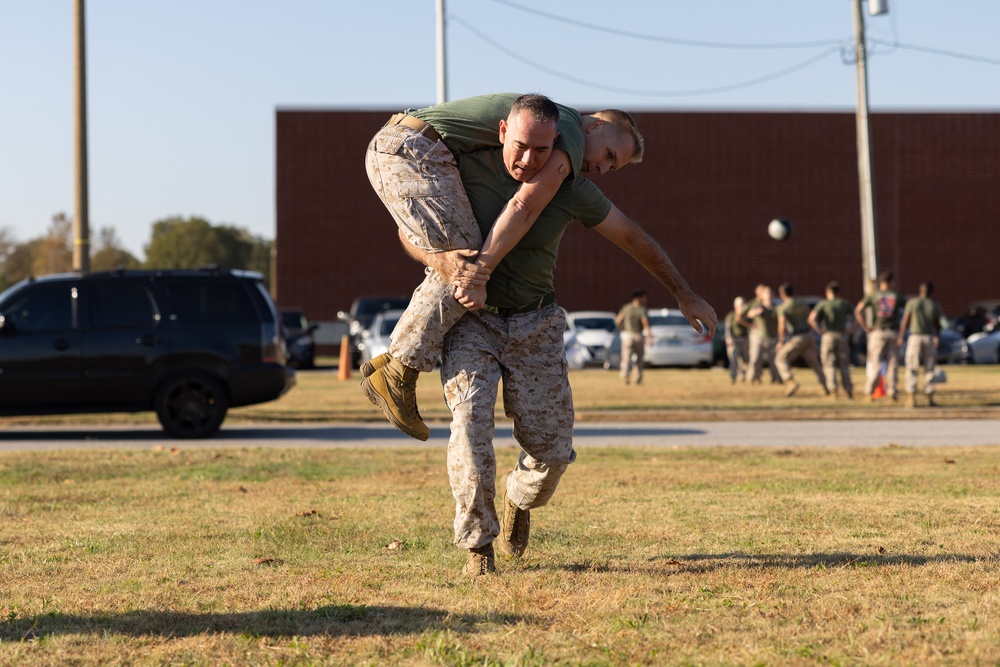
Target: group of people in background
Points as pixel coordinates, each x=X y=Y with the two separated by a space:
x=762 y=333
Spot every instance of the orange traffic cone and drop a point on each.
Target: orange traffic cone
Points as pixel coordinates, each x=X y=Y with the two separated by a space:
x=879 y=390
x=344 y=369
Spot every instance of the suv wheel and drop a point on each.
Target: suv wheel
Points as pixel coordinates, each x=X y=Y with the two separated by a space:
x=191 y=405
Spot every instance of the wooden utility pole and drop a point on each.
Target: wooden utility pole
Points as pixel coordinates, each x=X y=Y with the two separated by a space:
x=81 y=217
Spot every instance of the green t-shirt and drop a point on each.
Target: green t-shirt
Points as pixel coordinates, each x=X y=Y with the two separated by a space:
x=765 y=324
x=925 y=315
x=526 y=274
x=796 y=315
x=632 y=315
x=833 y=313
x=886 y=307
x=736 y=330
x=473 y=123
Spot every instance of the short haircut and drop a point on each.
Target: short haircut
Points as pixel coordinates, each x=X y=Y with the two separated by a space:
x=638 y=293
x=927 y=288
x=833 y=286
x=786 y=288
x=624 y=121
x=885 y=277
x=541 y=108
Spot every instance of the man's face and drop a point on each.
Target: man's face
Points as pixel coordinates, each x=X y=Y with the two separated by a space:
x=527 y=144
x=606 y=149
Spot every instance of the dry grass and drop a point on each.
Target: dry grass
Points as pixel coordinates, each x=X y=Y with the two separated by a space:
x=645 y=556
x=666 y=394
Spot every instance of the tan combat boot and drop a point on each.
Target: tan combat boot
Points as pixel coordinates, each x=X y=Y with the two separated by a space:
x=515 y=525
x=912 y=401
x=392 y=389
x=481 y=562
x=369 y=367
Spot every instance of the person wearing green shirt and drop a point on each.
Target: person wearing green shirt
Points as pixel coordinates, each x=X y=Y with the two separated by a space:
x=829 y=319
x=922 y=318
x=516 y=341
x=737 y=345
x=634 y=326
x=795 y=339
x=762 y=321
x=884 y=305
x=412 y=163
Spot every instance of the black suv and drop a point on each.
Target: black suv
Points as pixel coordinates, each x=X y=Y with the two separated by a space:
x=188 y=344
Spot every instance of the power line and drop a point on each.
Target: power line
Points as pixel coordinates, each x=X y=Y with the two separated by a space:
x=668 y=40
x=646 y=93
x=938 y=52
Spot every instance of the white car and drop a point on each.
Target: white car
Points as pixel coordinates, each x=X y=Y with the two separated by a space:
x=594 y=329
x=675 y=342
x=375 y=339
x=984 y=347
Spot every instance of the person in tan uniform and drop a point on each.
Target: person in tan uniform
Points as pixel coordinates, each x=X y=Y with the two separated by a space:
x=885 y=306
x=829 y=319
x=795 y=339
x=634 y=326
x=922 y=318
x=762 y=321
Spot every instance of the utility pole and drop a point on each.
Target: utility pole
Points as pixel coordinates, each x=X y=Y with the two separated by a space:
x=81 y=217
x=442 y=74
x=869 y=242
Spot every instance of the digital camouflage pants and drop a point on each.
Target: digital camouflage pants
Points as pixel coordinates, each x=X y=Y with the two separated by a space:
x=418 y=181
x=526 y=352
x=882 y=346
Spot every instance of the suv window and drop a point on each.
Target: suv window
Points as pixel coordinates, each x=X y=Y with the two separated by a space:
x=42 y=308
x=216 y=302
x=122 y=305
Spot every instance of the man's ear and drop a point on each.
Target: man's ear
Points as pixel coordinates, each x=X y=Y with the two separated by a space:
x=503 y=130
x=594 y=124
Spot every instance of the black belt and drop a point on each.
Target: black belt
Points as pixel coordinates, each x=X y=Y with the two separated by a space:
x=415 y=124
x=520 y=310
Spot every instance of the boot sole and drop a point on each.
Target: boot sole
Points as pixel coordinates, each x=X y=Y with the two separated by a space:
x=382 y=405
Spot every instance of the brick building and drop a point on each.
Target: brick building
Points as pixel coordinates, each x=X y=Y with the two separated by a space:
x=708 y=186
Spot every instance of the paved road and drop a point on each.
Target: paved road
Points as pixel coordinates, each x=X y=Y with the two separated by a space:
x=850 y=433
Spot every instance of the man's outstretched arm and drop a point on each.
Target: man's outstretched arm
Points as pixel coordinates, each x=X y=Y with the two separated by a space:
x=634 y=240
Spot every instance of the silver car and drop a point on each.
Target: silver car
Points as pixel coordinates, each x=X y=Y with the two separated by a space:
x=594 y=329
x=674 y=342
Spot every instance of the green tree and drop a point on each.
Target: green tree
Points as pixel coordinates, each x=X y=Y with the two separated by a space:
x=54 y=251
x=179 y=243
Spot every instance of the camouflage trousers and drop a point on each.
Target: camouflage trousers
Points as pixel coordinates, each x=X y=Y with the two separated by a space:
x=526 y=352
x=835 y=355
x=920 y=351
x=633 y=348
x=882 y=346
x=761 y=353
x=799 y=345
x=418 y=181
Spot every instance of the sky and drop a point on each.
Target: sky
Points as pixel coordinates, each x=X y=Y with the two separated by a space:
x=182 y=95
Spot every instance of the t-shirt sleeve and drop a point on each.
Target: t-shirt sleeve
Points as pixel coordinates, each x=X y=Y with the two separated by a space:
x=590 y=205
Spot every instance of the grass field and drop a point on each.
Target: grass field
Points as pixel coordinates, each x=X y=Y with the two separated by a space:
x=645 y=556
x=683 y=556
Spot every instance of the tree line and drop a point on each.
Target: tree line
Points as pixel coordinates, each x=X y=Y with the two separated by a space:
x=175 y=243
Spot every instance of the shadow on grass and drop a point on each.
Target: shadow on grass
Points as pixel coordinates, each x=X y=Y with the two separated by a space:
x=703 y=563
x=332 y=621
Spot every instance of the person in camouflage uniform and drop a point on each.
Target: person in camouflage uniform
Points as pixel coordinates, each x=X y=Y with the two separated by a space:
x=762 y=321
x=412 y=164
x=737 y=345
x=829 y=319
x=517 y=339
x=795 y=339
x=634 y=326
x=885 y=305
x=922 y=317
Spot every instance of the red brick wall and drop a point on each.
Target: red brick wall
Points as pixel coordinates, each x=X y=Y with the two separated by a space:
x=707 y=188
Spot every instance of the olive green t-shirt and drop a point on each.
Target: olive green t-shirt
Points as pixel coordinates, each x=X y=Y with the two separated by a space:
x=736 y=329
x=765 y=324
x=925 y=315
x=833 y=313
x=473 y=123
x=632 y=315
x=886 y=307
x=526 y=274
x=796 y=315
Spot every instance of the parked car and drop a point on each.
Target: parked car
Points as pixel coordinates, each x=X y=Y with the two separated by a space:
x=375 y=339
x=674 y=342
x=593 y=329
x=360 y=316
x=984 y=347
x=299 y=341
x=187 y=344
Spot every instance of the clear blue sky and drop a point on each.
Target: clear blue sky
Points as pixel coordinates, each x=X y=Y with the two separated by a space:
x=182 y=94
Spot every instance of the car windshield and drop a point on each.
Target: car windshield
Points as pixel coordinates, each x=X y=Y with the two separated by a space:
x=388 y=325
x=602 y=323
x=294 y=320
x=667 y=320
